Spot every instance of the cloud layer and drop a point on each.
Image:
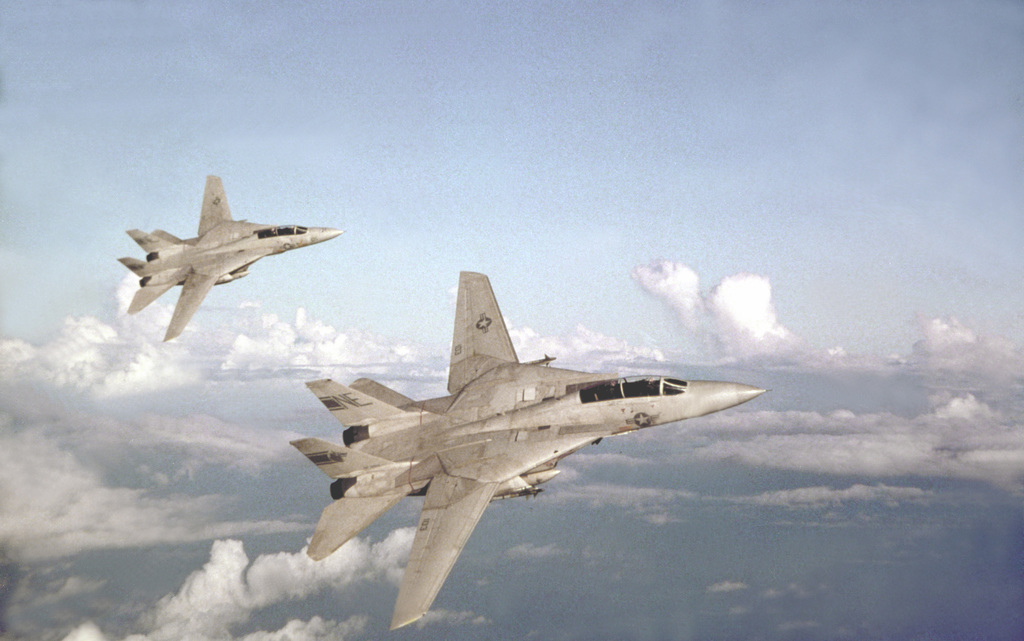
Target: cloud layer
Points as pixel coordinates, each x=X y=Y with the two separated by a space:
x=77 y=478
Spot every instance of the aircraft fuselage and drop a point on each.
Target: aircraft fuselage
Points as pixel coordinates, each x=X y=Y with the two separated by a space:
x=228 y=239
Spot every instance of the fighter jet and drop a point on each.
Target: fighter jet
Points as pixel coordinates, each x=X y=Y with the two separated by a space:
x=221 y=253
x=499 y=433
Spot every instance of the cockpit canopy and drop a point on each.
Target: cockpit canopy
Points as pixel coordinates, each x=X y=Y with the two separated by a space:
x=633 y=387
x=284 y=230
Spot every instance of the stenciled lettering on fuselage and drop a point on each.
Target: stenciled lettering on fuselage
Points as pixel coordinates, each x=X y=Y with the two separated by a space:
x=326 y=458
x=341 y=401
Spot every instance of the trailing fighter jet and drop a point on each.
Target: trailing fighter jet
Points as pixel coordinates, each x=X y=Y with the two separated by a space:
x=221 y=253
x=498 y=434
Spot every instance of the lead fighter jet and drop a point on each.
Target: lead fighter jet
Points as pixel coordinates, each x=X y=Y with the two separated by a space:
x=221 y=253
x=499 y=434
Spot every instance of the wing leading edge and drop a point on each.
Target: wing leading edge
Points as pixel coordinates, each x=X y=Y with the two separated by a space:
x=451 y=510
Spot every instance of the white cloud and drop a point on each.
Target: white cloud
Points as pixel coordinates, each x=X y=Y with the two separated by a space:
x=821 y=496
x=531 y=551
x=87 y=631
x=89 y=355
x=744 y=318
x=737 y=316
x=449 y=617
x=226 y=592
x=960 y=437
x=649 y=504
x=271 y=343
x=53 y=505
x=678 y=286
x=129 y=358
x=950 y=346
x=726 y=586
x=583 y=348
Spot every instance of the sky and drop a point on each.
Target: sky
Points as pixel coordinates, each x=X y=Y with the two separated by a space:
x=822 y=199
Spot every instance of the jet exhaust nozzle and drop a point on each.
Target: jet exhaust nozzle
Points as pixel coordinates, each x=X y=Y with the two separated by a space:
x=342 y=485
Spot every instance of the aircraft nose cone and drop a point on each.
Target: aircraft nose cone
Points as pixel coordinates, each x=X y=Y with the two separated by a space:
x=746 y=393
x=714 y=396
x=320 y=234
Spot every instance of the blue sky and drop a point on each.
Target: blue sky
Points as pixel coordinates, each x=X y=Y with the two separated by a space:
x=824 y=199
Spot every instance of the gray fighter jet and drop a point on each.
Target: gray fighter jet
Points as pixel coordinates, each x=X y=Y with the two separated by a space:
x=499 y=434
x=221 y=253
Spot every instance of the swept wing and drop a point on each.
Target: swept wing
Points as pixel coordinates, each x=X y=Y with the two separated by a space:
x=198 y=283
x=452 y=508
x=195 y=289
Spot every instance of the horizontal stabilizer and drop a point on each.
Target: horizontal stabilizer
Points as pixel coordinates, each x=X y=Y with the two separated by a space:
x=381 y=392
x=337 y=460
x=153 y=242
x=350 y=406
x=345 y=518
x=133 y=264
x=147 y=295
x=168 y=237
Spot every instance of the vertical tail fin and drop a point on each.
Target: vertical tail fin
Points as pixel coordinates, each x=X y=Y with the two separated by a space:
x=479 y=332
x=215 y=205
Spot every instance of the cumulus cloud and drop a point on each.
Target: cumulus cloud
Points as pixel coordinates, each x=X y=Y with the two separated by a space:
x=228 y=589
x=128 y=357
x=744 y=317
x=737 y=317
x=226 y=592
x=272 y=343
x=89 y=355
x=584 y=348
x=678 y=286
x=950 y=347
